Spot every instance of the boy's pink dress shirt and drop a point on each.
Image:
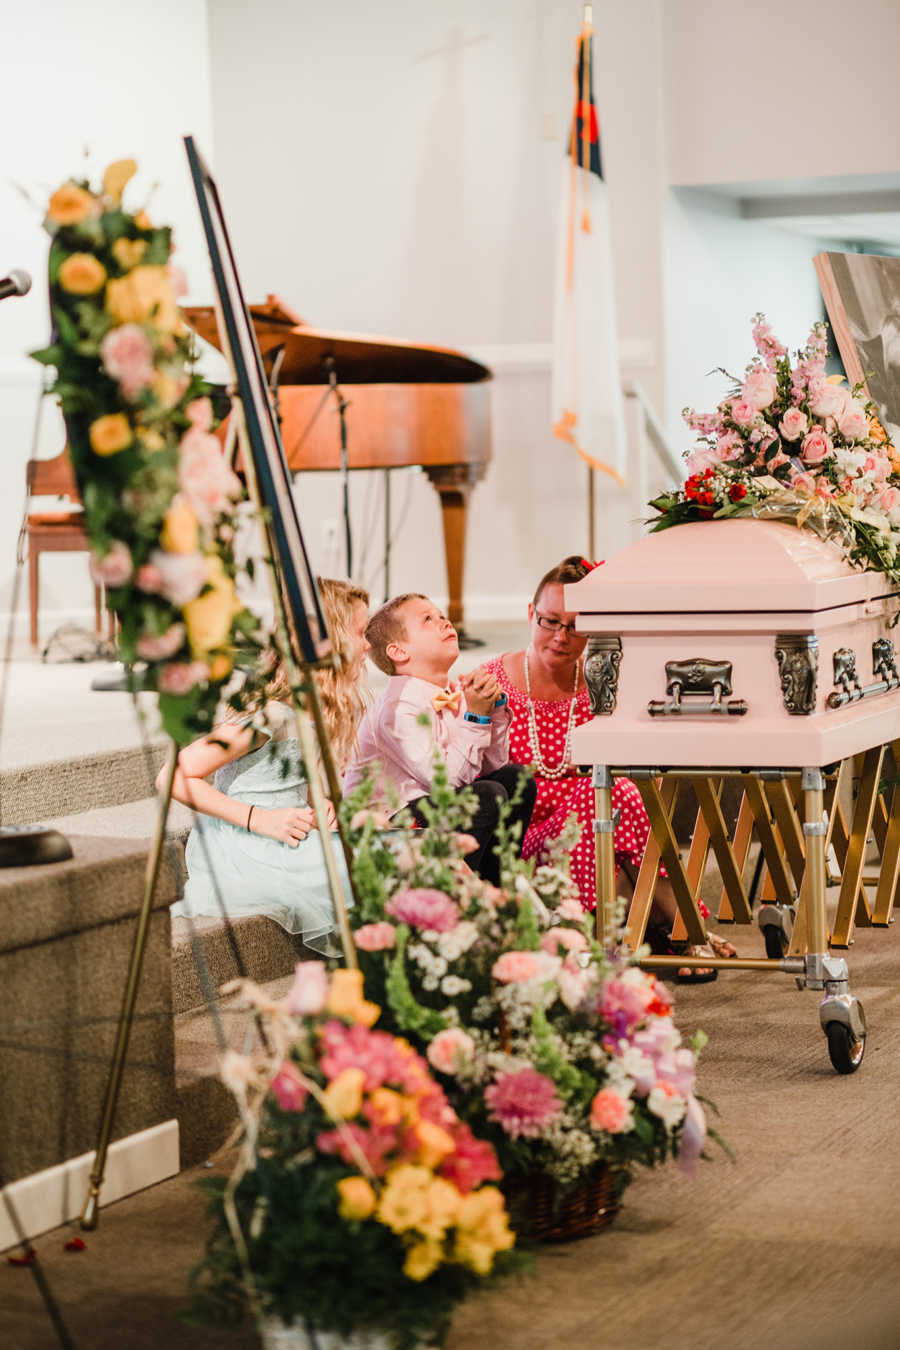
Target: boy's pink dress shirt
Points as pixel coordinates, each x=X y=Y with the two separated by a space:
x=400 y=751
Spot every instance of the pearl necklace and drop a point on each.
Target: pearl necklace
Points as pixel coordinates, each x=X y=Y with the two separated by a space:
x=545 y=770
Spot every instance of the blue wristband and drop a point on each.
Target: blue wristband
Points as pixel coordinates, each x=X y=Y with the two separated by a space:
x=476 y=717
x=500 y=702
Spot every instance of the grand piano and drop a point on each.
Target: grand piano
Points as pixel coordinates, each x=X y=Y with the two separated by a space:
x=409 y=405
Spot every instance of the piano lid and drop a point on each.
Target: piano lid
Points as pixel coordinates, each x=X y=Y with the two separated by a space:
x=358 y=358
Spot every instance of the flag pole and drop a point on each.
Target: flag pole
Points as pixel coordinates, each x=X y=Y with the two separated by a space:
x=592 y=510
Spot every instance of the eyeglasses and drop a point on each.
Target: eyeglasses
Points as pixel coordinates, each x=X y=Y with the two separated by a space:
x=554 y=625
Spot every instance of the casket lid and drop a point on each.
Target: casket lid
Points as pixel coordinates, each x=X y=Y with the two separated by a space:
x=725 y=566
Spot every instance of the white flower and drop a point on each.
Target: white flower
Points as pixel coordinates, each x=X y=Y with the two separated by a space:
x=668 y=1104
x=451 y=985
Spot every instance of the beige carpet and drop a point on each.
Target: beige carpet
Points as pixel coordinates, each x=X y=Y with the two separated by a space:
x=796 y=1244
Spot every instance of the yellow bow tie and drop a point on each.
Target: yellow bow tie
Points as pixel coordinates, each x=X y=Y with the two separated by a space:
x=447 y=698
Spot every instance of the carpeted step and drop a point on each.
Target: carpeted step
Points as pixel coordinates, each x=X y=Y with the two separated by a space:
x=266 y=951
x=64 y=787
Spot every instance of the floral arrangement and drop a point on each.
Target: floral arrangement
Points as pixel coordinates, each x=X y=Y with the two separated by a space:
x=564 y=1055
x=788 y=443
x=359 y=1203
x=158 y=495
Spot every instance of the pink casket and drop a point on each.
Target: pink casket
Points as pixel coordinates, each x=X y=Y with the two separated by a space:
x=736 y=643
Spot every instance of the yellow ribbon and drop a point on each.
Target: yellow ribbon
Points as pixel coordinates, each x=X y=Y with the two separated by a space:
x=447 y=698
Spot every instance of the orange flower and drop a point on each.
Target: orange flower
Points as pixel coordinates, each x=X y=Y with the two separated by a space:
x=128 y=252
x=110 y=434
x=357 y=1199
x=115 y=178
x=144 y=295
x=82 y=274
x=345 y=998
x=70 y=204
x=180 y=531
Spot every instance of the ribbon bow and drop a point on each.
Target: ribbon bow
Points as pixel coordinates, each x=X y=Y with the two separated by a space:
x=586 y=563
x=447 y=698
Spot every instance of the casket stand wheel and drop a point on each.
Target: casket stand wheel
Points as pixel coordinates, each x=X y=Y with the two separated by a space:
x=844 y=1049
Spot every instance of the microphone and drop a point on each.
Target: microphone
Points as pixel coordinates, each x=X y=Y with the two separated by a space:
x=17 y=283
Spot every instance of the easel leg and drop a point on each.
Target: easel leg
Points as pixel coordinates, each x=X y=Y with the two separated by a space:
x=853 y=905
x=90 y=1213
x=605 y=852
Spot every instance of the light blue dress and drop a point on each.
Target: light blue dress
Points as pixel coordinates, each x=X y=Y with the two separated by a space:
x=251 y=873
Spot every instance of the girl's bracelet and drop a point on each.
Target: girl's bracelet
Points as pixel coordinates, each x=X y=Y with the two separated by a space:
x=249 y=814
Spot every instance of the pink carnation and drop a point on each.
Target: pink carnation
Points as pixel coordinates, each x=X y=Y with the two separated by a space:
x=288 y=1088
x=450 y=1049
x=759 y=388
x=180 y=677
x=309 y=992
x=523 y=1102
x=115 y=567
x=182 y=576
x=424 y=908
x=816 y=446
x=128 y=357
x=375 y=937
x=514 y=967
x=610 y=1112
x=375 y=1052
x=160 y=646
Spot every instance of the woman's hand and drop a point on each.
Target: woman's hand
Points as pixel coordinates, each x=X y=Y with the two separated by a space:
x=287 y=824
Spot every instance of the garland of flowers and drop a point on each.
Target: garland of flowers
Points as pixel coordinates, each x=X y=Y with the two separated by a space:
x=158 y=495
x=787 y=443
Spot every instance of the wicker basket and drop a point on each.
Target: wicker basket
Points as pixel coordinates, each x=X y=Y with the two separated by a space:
x=540 y=1210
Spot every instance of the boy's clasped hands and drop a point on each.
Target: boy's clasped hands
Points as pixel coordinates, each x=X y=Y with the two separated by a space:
x=481 y=690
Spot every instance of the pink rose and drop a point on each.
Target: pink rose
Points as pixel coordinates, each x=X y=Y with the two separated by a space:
x=160 y=646
x=759 y=389
x=852 y=422
x=802 y=481
x=199 y=413
x=450 y=1050
x=128 y=357
x=610 y=1112
x=888 y=499
x=702 y=458
x=569 y=938
x=816 y=445
x=180 y=677
x=793 y=424
x=826 y=400
x=115 y=567
x=514 y=967
x=571 y=909
x=375 y=937
x=182 y=575
x=729 y=446
x=148 y=578
x=743 y=413
x=204 y=477
x=309 y=992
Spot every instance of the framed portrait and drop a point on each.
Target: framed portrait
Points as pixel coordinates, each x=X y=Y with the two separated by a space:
x=862 y=296
x=238 y=338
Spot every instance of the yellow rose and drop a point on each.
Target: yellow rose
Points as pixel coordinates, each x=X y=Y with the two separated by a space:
x=444 y=1201
x=482 y=1221
x=142 y=220
x=434 y=1143
x=116 y=176
x=478 y=1256
x=143 y=296
x=151 y=439
x=220 y=667
x=404 y=1203
x=421 y=1260
x=110 y=434
x=70 y=204
x=344 y=1096
x=345 y=996
x=128 y=252
x=181 y=531
x=208 y=618
x=357 y=1199
x=82 y=274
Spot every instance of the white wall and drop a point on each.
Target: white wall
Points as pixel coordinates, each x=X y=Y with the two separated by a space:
x=781 y=89
x=119 y=84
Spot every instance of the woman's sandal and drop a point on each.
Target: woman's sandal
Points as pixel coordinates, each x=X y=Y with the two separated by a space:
x=715 y=947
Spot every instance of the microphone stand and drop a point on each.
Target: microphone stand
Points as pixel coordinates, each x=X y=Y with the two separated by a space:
x=342 y=406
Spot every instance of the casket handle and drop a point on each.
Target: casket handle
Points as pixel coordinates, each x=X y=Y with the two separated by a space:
x=848 y=688
x=697 y=687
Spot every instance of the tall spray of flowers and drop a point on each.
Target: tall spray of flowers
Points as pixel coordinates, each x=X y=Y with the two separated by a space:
x=787 y=442
x=158 y=495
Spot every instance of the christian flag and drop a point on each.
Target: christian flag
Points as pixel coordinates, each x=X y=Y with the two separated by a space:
x=588 y=411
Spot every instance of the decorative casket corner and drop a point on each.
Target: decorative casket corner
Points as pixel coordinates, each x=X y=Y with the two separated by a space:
x=601 y=672
x=797 y=656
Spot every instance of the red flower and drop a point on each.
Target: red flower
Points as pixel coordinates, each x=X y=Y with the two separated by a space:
x=706 y=498
x=737 y=492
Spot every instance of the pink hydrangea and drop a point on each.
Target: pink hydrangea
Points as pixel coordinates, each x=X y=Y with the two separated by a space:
x=611 y=1112
x=309 y=992
x=204 y=477
x=375 y=937
x=450 y=1049
x=288 y=1088
x=115 y=567
x=425 y=908
x=182 y=576
x=523 y=1102
x=180 y=677
x=160 y=646
x=128 y=357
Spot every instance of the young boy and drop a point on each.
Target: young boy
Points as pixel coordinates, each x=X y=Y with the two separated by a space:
x=414 y=643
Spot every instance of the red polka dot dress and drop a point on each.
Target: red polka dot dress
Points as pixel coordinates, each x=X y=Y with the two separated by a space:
x=559 y=798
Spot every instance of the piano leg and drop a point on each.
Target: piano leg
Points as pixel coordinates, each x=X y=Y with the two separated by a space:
x=454 y=483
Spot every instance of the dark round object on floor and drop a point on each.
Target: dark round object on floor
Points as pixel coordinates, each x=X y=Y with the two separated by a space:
x=543 y=1211
x=776 y=942
x=844 y=1049
x=31 y=845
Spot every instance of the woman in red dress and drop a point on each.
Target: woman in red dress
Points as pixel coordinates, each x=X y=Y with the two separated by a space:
x=548 y=698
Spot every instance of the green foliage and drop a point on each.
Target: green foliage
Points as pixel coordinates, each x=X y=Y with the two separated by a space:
x=410 y=1015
